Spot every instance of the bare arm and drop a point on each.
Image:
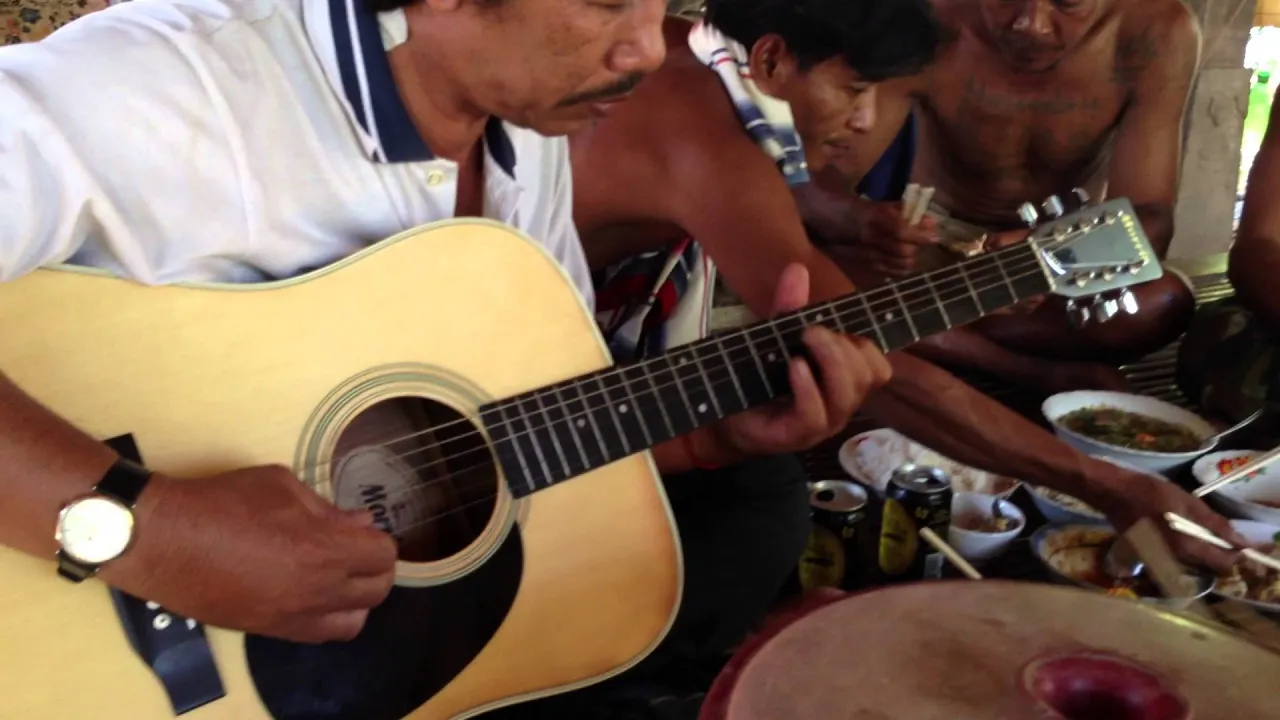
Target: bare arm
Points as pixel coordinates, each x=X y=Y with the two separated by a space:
x=44 y=463
x=750 y=240
x=1160 y=62
x=839 y=219
x=1254 y=263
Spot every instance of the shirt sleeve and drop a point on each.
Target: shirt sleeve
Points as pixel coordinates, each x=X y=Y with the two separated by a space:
x=43 y=198
x=562 y=235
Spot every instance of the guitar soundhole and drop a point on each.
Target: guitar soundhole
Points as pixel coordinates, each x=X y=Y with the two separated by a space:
x=429 y=479
x=423 y=470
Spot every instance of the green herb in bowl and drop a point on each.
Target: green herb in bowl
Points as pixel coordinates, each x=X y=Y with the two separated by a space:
x=1130 y=430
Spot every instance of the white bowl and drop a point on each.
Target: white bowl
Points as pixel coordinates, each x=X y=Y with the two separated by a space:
x=1240 y=498
x=1256 y=534
x=979 y=546
x=871 y=457
x=1167 y=464
x=1058 y=512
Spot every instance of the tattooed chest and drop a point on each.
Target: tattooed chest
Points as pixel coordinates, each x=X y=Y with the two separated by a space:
x=993 y=133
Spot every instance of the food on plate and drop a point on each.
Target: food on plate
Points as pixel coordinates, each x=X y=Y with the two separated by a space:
x=1130 y=430
x=1253 y=581
x=1227 y=464
x=1066 y=501
x=1078 y=553
x=977 y=522
x=878 y=453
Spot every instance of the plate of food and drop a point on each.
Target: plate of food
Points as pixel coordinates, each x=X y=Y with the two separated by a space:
x=1073 y=555
x=871 y=457
x=1249 y=582
x=1140 y=431
x=1255 y=496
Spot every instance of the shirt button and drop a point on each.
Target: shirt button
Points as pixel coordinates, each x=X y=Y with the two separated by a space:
x=434 y=178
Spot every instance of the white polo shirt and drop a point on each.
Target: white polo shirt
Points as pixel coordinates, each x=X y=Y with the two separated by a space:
x=237 y=141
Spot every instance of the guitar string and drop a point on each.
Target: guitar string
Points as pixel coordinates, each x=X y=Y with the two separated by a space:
x=729 y=375
x=932 y=295
x=593 y=455
x=969 y=289
x=930 y=292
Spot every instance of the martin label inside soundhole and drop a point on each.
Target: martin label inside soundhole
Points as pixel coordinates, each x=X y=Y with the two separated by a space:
x=429 y=479
x=422 y=470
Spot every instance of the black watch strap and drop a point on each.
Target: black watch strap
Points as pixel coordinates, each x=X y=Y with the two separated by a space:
x=123 y=482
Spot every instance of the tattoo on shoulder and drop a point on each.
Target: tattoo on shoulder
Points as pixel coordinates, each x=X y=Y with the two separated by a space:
x=1134 y=54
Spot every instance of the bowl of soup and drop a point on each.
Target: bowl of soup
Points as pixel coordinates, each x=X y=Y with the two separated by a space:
x=1255 y=496
x=1138 y=431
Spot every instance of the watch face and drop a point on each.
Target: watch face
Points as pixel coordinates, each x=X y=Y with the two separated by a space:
x=95 y=529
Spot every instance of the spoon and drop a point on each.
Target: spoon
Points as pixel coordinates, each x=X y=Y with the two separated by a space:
x=1213 y=440
x=1121 y=561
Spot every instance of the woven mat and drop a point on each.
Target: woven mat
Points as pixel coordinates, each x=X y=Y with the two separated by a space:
x=30 y=20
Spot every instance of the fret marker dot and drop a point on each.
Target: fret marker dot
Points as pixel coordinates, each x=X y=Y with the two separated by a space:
x=773 y=357
x=702 y=407
x=818 y=317
x=582 y=423
x=888 y=316
x=622 y=408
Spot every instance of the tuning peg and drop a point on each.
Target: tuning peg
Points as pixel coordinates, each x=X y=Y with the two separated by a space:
x=1077 y=315
x=1027 y=212
x=1081 y=197
x=1052 y=206
x=1104 y=309
x=1128 y=301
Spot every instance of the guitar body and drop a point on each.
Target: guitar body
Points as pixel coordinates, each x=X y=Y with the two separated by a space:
x=541 y=595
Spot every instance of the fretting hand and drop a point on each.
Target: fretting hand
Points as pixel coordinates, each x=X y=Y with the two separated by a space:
x=850 y=368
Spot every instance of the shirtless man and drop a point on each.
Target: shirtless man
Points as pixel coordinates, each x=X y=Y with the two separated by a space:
x=674 y=161
x=1029 y=99
x=1228 y=359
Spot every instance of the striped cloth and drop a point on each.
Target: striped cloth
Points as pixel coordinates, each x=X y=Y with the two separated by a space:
x=655 y=301
x=768 y=119
x=652 y=302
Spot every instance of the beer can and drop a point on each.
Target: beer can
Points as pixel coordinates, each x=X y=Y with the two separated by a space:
x=916 y=497
x=833 y=556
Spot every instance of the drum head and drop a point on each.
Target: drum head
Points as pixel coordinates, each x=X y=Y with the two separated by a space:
x=961 y=650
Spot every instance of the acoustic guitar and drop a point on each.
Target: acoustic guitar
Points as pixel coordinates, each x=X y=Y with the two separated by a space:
x=538 y=551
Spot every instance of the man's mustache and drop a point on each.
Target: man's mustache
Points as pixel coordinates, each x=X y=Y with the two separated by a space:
x=622 y=87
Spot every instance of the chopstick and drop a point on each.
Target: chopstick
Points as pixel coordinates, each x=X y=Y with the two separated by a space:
x=915 y=202
x=1199 y=532
x=1256 y=464
x=943 y=547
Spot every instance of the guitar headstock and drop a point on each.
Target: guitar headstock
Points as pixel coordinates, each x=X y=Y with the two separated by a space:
x=1093 y=254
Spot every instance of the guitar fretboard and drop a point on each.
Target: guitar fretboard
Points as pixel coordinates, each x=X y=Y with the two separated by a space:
x=560 y=431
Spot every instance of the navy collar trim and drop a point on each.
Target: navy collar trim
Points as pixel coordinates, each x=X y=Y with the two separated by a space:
x=384 y=116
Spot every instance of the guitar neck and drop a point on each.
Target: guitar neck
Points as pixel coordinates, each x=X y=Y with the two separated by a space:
x=558 y=432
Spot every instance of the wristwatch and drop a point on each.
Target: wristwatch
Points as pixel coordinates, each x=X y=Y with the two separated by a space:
x=98 y=527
